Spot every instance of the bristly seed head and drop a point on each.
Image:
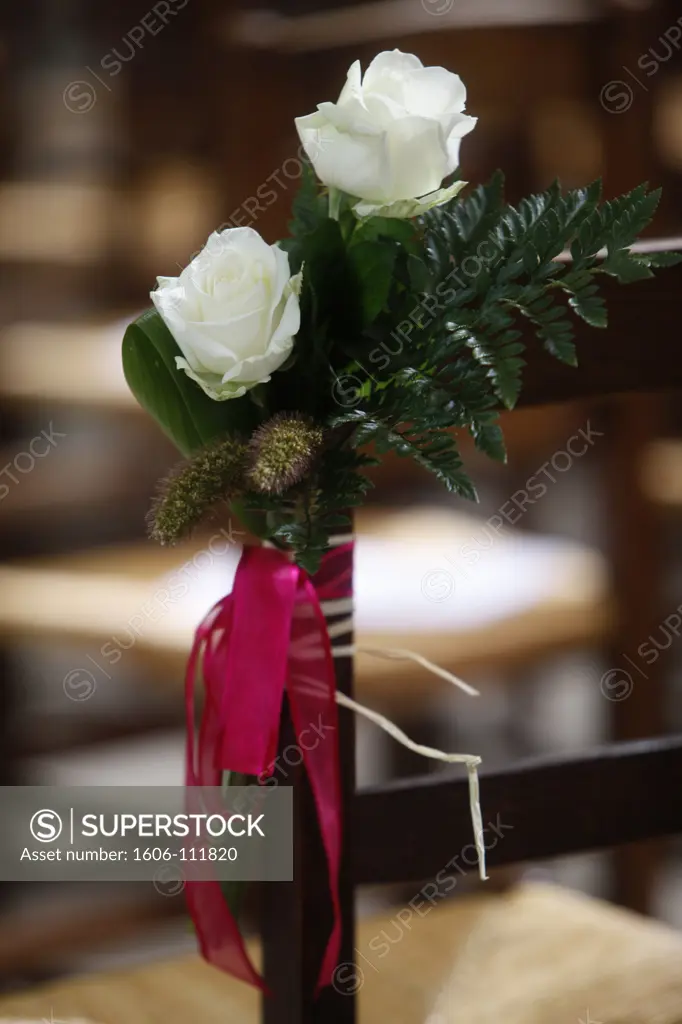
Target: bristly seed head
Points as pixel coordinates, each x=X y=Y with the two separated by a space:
x=194 y=488
x=282 y=452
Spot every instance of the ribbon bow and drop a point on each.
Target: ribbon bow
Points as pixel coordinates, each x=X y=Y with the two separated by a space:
x=267 y=637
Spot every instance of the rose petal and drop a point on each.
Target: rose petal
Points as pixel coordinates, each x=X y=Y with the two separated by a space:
x=417 y=157
x=289 y=322
x=434 y=92
x=355 y=164
x=211 y=383
x=463 y=127
x=390 y=64
x=353 y=85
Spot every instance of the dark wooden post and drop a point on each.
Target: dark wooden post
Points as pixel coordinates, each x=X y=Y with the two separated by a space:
x=634 y=538
x=297 y=916
x=637 y=566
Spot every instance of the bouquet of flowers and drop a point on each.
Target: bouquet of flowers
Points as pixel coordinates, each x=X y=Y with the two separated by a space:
x=387 y=319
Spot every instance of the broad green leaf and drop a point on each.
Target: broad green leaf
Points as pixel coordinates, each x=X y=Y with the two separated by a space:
x=420 y=279
x=373 y=263
x=183 y=411
x=309 y=209
x=324 y=258
x=310 y=206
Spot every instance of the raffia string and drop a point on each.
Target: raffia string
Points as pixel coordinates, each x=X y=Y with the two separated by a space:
x=344 y=607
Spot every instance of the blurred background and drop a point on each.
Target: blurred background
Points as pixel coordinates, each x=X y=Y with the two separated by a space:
x=128 y=132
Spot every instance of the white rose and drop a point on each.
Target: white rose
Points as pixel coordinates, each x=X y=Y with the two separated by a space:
x=233 y=311
x=393 y=135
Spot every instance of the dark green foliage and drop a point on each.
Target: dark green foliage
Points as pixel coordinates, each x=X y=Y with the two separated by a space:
x=309 y=209
x=410 y=331
x=484 y=266
x=373 y=264
x=308 y=513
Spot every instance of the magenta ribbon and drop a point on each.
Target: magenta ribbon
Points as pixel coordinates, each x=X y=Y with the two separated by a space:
x=267 y=637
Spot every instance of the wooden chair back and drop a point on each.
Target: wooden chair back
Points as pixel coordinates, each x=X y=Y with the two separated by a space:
x=410 y=830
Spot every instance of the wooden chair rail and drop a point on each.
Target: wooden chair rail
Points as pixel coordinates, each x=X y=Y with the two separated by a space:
x=361 y=23
x=411 y=829
x=614 y=360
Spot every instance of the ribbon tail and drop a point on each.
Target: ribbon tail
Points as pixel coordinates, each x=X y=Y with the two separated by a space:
x=218 y=936
x=268 y=634
x=311 y=686
x=220 y=941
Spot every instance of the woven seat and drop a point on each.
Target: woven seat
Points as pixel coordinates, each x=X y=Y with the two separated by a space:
x=526 y=596
x=538 y=955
